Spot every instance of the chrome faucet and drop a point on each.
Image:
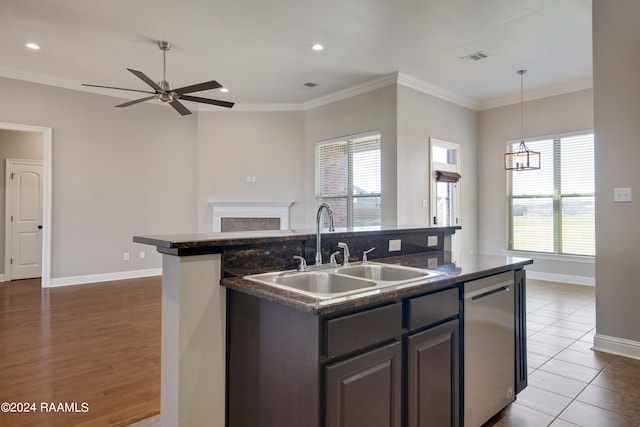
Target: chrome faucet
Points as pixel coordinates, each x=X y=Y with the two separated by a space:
x=364 y=255
x=327 y=207
x=345 y=258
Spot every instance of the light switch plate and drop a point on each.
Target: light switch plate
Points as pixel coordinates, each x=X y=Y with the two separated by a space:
x=622 y=194
x=395 y=245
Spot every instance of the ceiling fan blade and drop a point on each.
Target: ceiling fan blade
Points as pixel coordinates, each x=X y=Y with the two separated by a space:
x=126 y=104
x=142 y=76
x=180 y=108
x=208 y=101
x=198 y=87
x=119 y=88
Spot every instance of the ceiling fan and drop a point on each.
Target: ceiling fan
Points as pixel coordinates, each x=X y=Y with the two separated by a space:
x=164 y=92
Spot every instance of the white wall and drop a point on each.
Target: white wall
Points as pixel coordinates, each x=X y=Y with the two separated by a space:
x=116 y=173
x=542 y=117
x=375 y=110
x=234 y=145
x=420 y=117
x=617 y=117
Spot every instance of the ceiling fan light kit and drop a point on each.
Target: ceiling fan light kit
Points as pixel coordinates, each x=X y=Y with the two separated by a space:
x=163 y=91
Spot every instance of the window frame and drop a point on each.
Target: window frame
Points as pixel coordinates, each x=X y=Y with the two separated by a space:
x=350 y=196
x=433 y=182
x=557 y=196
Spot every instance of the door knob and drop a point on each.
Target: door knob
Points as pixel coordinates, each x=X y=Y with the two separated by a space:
x=39 y=227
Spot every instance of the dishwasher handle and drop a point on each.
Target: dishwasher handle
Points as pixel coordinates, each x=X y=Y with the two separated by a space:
x=488 y=291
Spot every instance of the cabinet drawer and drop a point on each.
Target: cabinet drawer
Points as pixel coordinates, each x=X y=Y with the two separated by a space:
x=360 y=330
x=432 y=308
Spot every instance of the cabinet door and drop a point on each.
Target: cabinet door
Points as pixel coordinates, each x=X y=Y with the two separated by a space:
x=433 y=379
x=365 y=390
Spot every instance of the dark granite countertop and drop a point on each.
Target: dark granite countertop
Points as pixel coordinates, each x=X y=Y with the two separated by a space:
x=211 y=243
x=469 y=267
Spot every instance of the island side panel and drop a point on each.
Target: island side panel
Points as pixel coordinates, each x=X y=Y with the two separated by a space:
x=273 y=364
x=193 y=341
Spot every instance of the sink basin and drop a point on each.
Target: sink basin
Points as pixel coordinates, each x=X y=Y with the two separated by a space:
x=320 y=284
x=386 y=272
x=331 y=282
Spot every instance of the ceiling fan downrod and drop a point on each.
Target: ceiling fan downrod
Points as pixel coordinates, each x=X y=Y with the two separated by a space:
x=166 y=95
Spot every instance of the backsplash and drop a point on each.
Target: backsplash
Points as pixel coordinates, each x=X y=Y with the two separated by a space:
x=239 y=261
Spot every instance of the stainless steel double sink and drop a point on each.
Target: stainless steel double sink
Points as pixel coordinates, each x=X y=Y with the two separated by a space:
x=334 y=282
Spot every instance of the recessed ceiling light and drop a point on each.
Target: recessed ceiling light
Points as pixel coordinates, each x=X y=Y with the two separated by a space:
x=317 y=46
x=33 y=46
x=224 y=89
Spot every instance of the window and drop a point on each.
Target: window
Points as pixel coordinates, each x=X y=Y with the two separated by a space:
x=348 y=178
x=552 y=209
x=444 y=183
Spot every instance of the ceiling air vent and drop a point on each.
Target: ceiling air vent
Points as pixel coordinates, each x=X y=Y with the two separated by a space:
x=310 y=84
x=477 y=56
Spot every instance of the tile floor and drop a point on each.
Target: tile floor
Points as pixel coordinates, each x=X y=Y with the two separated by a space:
x=570 y=384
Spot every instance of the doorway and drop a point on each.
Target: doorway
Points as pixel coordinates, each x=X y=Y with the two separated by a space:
x=41 y=239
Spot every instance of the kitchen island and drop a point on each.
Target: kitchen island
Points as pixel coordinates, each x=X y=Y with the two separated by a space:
x=202 y=379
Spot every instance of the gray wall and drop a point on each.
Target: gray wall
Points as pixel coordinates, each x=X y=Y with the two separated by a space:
x=420 y=117
x=617 y=115
x=234 y=145
x=15 y=145
x=542 y=117
x=116 y=173
x=375 y=110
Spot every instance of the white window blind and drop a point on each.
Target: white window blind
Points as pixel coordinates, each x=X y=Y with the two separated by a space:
x=552 y=209
x=348 y=176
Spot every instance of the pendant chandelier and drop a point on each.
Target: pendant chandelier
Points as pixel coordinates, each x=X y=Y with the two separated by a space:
x=522 y=158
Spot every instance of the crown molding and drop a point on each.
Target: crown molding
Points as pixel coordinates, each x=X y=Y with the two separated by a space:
x=251 y=108
x=398 y=78
x=575 y=86
x=358 y=89
x=437 y=91
x=12 y=73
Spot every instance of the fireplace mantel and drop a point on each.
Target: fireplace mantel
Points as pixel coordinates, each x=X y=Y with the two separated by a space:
x=257 y=210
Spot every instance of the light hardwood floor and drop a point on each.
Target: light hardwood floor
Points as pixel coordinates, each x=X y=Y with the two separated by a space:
x=98 y=344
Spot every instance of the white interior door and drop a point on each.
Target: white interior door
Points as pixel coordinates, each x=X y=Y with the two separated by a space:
x=24 y=193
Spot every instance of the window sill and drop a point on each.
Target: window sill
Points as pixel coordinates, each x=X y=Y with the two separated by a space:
x=552 y=257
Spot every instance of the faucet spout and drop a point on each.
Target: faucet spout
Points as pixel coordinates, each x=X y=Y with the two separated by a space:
x=327 y=207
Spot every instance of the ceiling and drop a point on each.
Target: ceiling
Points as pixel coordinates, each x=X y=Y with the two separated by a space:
x=260 y=50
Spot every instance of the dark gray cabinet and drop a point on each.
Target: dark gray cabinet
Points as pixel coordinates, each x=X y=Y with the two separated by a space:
x=433 y=377
x=365 y=390
x=389 y=365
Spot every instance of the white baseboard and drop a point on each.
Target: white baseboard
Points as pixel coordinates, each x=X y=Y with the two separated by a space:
x=2 y=277
x=619 y=346
x=105 y=277
x=563 y=278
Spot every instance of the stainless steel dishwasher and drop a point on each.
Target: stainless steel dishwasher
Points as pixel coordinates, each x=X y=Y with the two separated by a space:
x=489 y=347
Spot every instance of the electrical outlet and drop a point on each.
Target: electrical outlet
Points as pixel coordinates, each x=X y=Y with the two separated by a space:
x=142 y=255
x=126 y=256
x=432 y=241
x=395 y=245
x=621 y=194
